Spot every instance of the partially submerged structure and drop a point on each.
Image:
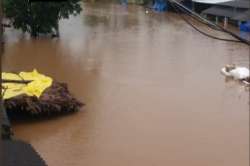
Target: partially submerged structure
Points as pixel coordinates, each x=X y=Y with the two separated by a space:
x=236 y=10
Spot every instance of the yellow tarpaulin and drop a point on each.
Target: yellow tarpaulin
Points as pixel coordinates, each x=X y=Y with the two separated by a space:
x=38 y=84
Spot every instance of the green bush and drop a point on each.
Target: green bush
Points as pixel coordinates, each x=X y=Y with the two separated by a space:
x=39 y=17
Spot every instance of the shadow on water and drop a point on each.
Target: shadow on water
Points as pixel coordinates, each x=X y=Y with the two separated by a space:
x=18 y=118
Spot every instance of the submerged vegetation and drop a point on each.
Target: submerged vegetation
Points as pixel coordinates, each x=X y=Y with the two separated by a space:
x=54 y=100
x=39 y=17
x=32 y=93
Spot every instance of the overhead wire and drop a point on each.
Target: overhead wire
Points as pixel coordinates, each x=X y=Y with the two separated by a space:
x=179 y=8
x=200 y=31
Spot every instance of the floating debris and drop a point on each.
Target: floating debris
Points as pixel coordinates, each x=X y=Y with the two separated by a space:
x=41 y=95
x=246 y=81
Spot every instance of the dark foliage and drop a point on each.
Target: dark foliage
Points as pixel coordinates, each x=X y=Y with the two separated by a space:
x=39 y=17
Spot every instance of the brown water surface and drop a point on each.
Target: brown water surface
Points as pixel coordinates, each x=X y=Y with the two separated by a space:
x=153 y=89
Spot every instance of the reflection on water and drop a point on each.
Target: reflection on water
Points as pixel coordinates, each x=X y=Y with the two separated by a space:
x=153 y=89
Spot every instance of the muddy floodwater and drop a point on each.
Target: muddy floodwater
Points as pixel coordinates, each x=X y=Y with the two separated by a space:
x=153 y=89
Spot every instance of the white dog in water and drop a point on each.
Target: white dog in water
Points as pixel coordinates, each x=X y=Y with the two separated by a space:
x=238 y=73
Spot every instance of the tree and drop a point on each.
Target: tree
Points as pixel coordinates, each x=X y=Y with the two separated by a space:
x=39 y=17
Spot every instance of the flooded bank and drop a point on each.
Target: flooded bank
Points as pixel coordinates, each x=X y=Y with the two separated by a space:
x=153 y=89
